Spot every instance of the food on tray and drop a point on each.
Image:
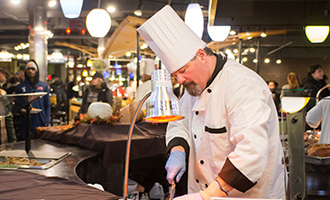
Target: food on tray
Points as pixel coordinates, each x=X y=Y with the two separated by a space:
x=320 y=150
x=20 y=161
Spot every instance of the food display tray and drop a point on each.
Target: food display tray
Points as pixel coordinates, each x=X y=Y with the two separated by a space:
x=317 y=160
x=47 y=159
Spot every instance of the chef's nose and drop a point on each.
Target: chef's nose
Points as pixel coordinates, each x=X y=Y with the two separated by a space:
x=180 y=78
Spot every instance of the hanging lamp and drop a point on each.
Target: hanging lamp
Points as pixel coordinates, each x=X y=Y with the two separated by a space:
x=71 y=8
x=218 y=33
x=194 y=19
x=317 y=34
x=98 y=22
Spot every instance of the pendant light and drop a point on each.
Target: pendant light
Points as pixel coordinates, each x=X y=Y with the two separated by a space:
x=71 y=8
x=194 y=19
x=218 y=33
x=317 y=34
x=98 y=22
x=5 y=56
x=57 y=56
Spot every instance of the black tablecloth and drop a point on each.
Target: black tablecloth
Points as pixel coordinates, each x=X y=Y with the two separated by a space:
x=147 y=140
x=27 y=185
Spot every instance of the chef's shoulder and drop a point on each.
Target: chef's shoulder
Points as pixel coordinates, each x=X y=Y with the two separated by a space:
x=239 y=76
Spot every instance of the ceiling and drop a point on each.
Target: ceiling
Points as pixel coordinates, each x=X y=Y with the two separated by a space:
x=242 y=15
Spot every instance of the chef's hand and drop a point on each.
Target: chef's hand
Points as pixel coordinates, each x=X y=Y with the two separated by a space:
x=193 y=196
x=175 y=166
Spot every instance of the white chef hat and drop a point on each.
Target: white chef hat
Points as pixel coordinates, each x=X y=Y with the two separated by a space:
x=149 y=66
x=170 y=38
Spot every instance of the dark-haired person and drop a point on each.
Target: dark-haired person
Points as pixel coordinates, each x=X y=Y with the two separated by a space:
x=96 y=91
x=32 y=84
x=314 y=82
x=272 y=85
x=5 y=108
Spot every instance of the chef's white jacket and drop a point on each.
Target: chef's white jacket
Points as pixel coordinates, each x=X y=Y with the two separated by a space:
x=321 y=112
x=232 y=131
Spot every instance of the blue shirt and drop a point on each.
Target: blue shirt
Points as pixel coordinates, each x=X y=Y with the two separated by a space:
x=39 y=119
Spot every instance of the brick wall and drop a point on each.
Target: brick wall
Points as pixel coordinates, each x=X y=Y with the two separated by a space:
x=279 y=72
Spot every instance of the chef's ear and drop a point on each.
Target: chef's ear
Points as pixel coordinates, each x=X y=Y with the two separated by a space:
x=201 y=54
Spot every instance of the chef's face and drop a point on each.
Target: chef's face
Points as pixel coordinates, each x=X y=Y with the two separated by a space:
x=193 y=76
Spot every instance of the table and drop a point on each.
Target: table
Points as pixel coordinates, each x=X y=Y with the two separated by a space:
x=58 y=182
x=147 y=151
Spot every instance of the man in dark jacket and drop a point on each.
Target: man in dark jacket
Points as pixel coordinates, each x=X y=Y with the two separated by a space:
x=29 y=85
x=97 y=91
x=314 y=82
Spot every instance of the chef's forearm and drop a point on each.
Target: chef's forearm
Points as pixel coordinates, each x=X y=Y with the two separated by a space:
x=234 y=177
x=218 y=188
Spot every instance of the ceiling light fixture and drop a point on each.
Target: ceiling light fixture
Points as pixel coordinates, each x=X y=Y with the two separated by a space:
x=98 y=22
x=52 y=3
x=194 y=19
x=267 y=60
x=57 y=56
x=278 y=61
x=138 y=12
x=71 y=8
x=232 y=32
x=317 y=34
x=263 y=34
x=111 y=9
x=5 y=56
x=15 y=1
x=218 y=33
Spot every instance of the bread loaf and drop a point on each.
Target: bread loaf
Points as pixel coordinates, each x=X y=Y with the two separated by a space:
x=320 y=150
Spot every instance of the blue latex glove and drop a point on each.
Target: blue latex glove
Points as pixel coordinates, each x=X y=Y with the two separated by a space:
x=175 y=166
x=193 y=196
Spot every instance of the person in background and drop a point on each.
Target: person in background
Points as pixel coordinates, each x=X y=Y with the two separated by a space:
x=272 y=85
x=3 y=79
x=148 y=67
x=6 y=107
x=72 y=82
x=32 y=84
x=118 y=90
x=131 y=89
x=291 y=89
x=12 y=83
x=22 y=73
x=230 y=130
x=314 y=82
x=96 y=91
x=320 y=113
x=56 y=85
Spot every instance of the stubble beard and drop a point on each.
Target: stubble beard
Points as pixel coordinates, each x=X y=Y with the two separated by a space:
x=192 y=88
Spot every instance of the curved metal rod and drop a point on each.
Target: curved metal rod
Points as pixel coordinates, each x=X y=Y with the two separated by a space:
x=319 y=92
x=129 y=140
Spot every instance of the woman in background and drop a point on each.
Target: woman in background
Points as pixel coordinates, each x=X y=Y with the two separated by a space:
x=292 y=88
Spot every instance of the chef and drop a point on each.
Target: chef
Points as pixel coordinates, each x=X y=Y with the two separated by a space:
x=230 y=133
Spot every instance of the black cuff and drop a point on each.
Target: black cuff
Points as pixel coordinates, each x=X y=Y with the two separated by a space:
x=232 y=176
x=177 y=141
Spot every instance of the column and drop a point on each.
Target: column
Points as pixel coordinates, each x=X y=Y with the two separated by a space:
x=38 y=49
